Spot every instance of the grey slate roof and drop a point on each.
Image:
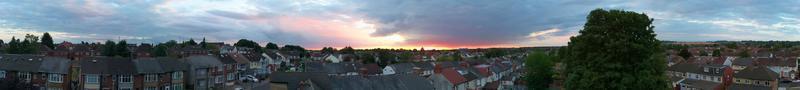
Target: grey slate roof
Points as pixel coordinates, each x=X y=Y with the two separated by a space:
x=147 y=65
x=757 y=73
x=107 y=65
x=703 y=85
x=202 y=61
x=169 y=64
x=384 y=82
x=23 y=63
x=55 y=65
x=402 y=67
x=424 y=65
x=743 y=61
x=747 y=87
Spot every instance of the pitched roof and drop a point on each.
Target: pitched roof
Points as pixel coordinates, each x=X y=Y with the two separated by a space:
x=107 y=65
x=202 y=61
x=402 y=67
x=453 y=76
x=147 y=65
x=743 y=61
x=757 y=73
x=169 y=64
x=747 y=87
x=24 y=63
x=705 y=85
x=55 y=65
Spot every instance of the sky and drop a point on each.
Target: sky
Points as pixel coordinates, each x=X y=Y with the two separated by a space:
x=407 y=24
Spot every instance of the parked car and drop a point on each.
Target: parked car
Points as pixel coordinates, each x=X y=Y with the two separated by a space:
x=248 y=78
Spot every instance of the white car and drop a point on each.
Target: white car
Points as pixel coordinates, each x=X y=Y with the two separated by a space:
x=248 y=78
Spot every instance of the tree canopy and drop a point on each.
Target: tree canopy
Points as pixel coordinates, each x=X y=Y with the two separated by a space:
x=540 y=70
x=685 y=54
x=249 y=44
x=347 y=50
x=47 y=40
x=328 y=50
x=271 y=46
x=616 y=50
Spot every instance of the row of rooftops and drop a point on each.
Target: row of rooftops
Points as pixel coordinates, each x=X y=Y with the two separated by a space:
x=116 y=65
x=755 y=72
x=34 y=63
x=382 y=82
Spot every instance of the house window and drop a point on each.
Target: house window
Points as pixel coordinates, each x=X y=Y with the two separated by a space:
x=92 y=79
x=25 y=76
x=231 y=76
x=200 y=72
x=2 y=74
x=177 y=75
x=125 y=79
x=56 y=78
x=219 y=79
x=150 y=78
x=177 y=86
x=150 y=88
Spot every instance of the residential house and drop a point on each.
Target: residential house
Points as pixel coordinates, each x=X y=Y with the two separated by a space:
x=40 y=71
x=231 y=68
x=398 y=68
x=449 y=79
x=742 y=63
x=142 y=51
x=258 y=65
x=188 y=51
x=425 y=68
x=785 y=67
x=333 y=69
x=204 y=72
x=701 y=76
x=163 y=73
x=755 y=78
x=74 y=51
x=107 y=73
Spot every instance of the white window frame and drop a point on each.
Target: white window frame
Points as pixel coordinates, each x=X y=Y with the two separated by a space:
x=55 y=78
x=25 y=76
x=150 y=88
x=126 y=79
x=177 y=75
x=177 y=86
x=2 y=74
x=92 y=78
x=150 y=77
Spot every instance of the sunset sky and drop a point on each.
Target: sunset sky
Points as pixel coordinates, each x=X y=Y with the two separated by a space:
x=387 y=23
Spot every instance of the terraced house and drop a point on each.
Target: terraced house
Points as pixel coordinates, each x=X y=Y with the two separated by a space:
x=46 y=73
x=160 y=74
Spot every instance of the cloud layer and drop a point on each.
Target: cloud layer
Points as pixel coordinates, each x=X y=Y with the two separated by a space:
x=387 y=23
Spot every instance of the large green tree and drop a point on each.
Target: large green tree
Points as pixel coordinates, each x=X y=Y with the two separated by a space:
x=160 y=51
x=109 y=48
x=685 y=54
x=272 y=46
x=249 y=44
x=347 y=50
x=47 y=40
x=540 y=70
x=616 y=50
x=121 y=49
